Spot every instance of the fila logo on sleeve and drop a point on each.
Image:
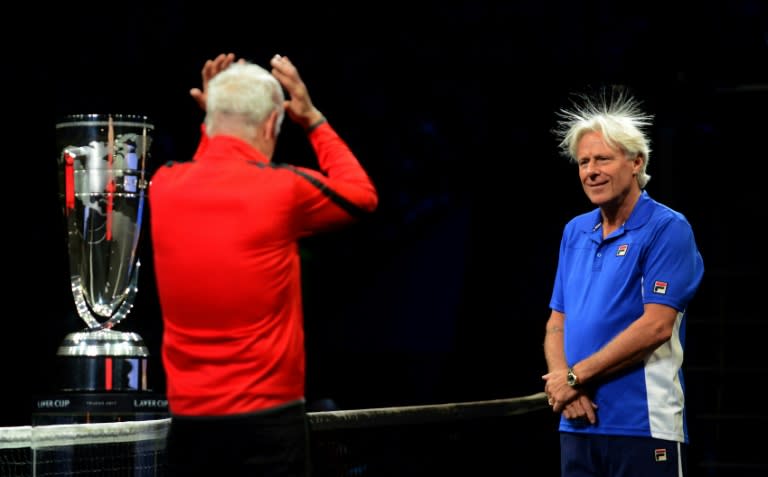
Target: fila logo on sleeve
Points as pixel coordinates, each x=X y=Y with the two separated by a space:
x=659 y=287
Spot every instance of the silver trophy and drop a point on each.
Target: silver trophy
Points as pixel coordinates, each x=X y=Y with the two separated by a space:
x=102 y=187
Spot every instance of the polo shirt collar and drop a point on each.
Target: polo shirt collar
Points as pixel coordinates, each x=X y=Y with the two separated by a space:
x=637 y=218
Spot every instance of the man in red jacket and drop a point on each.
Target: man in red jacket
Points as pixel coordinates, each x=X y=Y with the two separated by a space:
x=224 y=229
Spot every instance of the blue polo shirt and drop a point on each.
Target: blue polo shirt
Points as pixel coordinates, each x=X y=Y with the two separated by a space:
x=601 y=286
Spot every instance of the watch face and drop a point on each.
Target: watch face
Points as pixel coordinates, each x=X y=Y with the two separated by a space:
x=571 y=378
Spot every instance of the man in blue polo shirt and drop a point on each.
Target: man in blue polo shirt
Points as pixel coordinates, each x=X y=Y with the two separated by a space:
x=616 y=333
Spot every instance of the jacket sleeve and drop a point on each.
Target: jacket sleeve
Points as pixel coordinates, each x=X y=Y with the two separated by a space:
x=341 y=191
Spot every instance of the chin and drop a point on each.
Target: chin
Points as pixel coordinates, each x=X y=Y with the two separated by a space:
x=598 y=199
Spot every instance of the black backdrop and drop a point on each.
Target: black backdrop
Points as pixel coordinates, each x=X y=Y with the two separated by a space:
x=442 y=295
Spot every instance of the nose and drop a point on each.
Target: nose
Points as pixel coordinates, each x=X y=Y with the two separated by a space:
x=590 y=168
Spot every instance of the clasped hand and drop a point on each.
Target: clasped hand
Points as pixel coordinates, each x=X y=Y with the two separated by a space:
x=572 y=402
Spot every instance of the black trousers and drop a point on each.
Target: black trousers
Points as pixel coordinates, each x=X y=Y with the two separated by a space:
x=273 y=443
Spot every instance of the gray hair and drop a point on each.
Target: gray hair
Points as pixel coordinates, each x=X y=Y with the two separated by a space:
x=616 y=115
x=245 y=89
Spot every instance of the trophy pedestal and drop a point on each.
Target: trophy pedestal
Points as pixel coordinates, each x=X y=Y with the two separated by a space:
x=102 y=378
x=103 y=361
x=87 y=407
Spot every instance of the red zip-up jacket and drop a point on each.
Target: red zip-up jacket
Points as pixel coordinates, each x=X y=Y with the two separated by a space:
x=224 y=231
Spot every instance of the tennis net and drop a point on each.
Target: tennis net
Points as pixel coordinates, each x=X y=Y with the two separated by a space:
x=496 y=437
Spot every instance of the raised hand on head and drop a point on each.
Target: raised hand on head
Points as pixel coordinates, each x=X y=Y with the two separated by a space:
x=210 y=69
x=299 y=104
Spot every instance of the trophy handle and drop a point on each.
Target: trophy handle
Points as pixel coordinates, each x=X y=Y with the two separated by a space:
x=85 y=313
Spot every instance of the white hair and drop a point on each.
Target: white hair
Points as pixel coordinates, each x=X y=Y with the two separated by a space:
x=247 y=90
x=616 y=115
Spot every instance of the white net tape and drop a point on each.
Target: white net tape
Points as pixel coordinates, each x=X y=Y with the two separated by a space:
x=37 y=437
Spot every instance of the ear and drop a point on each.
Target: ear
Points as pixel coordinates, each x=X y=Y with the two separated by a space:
x=270 y=126
x=638 y=163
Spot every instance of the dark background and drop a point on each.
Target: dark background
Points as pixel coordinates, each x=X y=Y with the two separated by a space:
x=442 y=295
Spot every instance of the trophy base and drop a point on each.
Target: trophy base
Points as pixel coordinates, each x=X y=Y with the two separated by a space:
x=91 y=407
x=103 y=360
